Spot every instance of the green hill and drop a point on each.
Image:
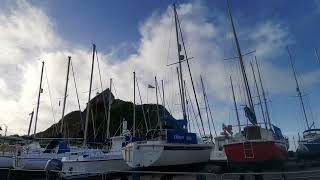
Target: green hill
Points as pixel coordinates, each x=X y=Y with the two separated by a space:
x=120 y=110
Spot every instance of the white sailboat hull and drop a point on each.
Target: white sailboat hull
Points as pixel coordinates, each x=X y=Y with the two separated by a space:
x=158 y=155
x=92 y=167
x=35 y=161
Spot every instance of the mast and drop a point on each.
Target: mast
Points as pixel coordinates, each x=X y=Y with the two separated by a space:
x=258 y=92
x=298 y=89
x=189 y=69
x=317 y=56
x=163 y=99
x=31 y=114
x=65 y=96
x=134 y=104
x=158 y=113
x=109 y=110
x=180 y=57
x=235 y=104
x=206 y=106
x=264 y=95
x=38 y=103
x=243 y=70
x=88 y=104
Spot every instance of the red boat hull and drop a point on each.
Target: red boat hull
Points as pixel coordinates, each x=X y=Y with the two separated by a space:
x=256 y=151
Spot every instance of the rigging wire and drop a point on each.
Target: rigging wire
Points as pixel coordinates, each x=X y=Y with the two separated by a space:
x=194 y=113
x=76 y=89
x=143 y=113
x=102 y=93
x=50 y=97
x=189 y=69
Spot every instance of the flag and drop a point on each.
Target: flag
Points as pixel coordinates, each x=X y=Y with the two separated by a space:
x=150 y=86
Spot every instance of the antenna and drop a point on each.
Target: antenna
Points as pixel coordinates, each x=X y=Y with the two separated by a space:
x=298 y=88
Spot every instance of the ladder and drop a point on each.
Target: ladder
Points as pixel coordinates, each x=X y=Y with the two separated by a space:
x=248 y=150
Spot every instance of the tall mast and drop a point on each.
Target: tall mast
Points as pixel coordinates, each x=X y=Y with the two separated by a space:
x=158 y=113
x=264 y=95
x=243 y=70
x=297 y=88
x=190 y=74
x=258 y=93
x=38 y=103
x=163 y=99
x=134 y=104
x=317 y=56
x=181 y=57
x=88 y=104
x=109 y=110
x=206 y=106
x=31 y=117
x=65 y=95
x=235 y=104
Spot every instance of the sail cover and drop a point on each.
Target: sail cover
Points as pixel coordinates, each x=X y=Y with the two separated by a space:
x=277 y=132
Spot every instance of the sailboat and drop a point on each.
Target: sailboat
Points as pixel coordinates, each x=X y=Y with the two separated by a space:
x=7 y=152
x=32 y=156
x=309 y=145
x=171 y=144
x=254 y=144
x=96 y=161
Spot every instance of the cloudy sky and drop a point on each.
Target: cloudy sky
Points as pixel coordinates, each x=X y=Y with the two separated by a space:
x=140 y=37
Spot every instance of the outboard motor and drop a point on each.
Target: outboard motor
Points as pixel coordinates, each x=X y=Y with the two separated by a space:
x=53 y=165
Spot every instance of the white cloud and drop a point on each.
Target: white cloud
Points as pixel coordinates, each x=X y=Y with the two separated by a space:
x=28 y=34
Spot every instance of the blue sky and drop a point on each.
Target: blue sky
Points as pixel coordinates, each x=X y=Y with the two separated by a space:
x=134 y=36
